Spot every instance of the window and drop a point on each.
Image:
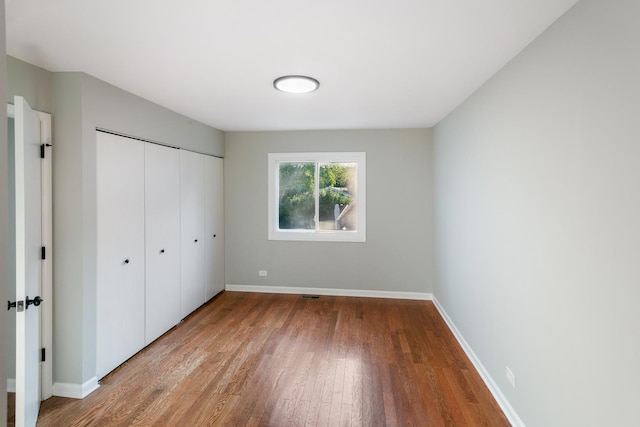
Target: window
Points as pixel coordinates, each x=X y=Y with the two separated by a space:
x=317 y=197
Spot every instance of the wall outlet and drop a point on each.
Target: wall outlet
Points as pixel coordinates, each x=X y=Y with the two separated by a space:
x=262 y=273
x=510 y=377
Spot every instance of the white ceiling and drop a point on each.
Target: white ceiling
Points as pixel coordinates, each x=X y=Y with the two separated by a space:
x=380 y=63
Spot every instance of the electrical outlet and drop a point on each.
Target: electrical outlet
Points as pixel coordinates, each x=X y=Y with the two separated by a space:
x=262 y=273
x=510 y=377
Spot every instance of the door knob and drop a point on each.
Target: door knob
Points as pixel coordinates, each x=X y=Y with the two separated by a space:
x=161 y=251
x=10 y=305
x=126 y=261
x=195 y=241
x=36 y=301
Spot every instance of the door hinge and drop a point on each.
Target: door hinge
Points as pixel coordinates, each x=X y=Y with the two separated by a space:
x=42 y=147
x=43 y=253
x=43 y=354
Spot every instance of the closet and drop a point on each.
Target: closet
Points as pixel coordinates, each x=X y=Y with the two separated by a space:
x=162 y=239
x=160 y=250
x=192 y=194
x=120 y=288
x=214 y=226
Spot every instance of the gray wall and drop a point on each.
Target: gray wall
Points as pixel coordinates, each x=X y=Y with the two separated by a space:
x=30 y=82
x=70 y=353
x=4 y=197
x=398 y=252
x=80 y=104
x=537 y=220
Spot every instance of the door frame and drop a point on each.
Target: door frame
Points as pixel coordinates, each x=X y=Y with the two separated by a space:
x=46 y=310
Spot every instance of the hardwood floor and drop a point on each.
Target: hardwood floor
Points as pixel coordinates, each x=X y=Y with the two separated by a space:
x=11 y=406
x=247 y=359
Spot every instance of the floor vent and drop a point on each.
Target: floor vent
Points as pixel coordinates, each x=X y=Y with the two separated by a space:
x=310 y=297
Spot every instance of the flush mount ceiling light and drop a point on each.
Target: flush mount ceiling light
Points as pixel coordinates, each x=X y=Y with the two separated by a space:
x=296 y=84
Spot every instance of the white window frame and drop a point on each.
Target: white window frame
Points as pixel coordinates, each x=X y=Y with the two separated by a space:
x=359 y=235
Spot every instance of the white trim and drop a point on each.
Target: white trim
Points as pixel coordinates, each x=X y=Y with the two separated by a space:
x=76 y=391
x=503 y=402
x=11 y=385
x=333 y=292
x=46 y=309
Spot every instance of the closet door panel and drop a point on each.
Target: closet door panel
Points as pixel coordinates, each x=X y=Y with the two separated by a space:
x=214 y=226
x=162 y=240
x=120 y=250
x=192 y=273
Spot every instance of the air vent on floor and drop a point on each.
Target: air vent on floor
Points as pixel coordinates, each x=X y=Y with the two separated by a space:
x=309 y=296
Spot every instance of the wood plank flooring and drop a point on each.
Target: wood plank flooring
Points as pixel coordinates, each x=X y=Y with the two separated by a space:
x=11 y=412
x=247 y=359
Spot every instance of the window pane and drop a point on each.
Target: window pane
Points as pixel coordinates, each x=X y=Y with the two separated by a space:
x=297 y=204
x=337 y=207
x=317 y=196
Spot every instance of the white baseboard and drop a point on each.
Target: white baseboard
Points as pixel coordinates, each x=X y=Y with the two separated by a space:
x=11 y=385
x=332 y=292
x=75 y=391
x=503 y=402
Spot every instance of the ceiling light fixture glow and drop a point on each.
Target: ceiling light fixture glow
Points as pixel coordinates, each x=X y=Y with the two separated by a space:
x=296 y=84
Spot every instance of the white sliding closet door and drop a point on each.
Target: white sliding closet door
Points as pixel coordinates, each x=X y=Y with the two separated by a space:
x=120 y=247
x=162 y=225
x=192 y=190
x=214 y=226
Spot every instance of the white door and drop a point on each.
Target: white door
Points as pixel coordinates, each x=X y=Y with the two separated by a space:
x=120 y=247
x=28 y=222
x=192 y=275
x=162 y=246
x=214 y=226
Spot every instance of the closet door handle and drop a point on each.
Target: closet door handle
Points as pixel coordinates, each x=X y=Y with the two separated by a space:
x=126 y=261
x=195 y=241
x=161 y=251
x=214 y=235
